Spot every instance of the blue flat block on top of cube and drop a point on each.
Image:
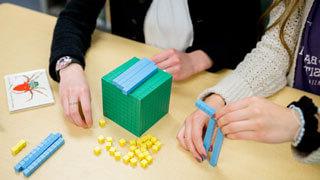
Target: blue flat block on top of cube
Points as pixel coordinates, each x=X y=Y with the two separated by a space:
x=213 y=154
x=123 y=78
x=39 y=154
x=139 y=78
x=129 y=73
x=133 y=77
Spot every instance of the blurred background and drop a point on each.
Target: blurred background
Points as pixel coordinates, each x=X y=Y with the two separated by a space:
x=54 y=7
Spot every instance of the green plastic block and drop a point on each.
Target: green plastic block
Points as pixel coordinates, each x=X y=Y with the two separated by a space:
x=142 y=108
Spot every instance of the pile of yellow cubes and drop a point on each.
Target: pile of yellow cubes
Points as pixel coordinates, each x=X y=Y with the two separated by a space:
x=139 y=149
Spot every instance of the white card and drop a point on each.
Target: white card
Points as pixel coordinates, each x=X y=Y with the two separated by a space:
x=28 y=89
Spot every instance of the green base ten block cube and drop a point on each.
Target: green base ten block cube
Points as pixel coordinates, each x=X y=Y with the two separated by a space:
x=143 y=107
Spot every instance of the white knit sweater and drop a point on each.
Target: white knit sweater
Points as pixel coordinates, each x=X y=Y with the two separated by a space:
x=264 y=71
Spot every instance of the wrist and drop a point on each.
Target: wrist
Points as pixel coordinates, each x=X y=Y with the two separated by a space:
x=65 y=62
x=200 y=60
x=297 y=124
x=215 y=99
x=72 y=68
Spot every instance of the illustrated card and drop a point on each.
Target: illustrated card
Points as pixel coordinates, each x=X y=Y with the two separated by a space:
x=28 y=89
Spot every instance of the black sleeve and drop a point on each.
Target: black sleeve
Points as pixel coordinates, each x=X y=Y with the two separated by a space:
x=225 y=30
x=311 y=138
x=72 y=33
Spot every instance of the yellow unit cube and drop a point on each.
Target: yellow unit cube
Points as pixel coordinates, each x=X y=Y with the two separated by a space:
x=108 y=145
x=117 y=155
x=158 y=143
x=109 y=139
x=132 y=148
x=102 y=123
x=153 y=140
x=144 y=163
x=149 y=159
x=143 y=139
x=133 y=143
x=126 y=159
x=130 y=154
x=18 y=147
x=122 y=142
x=112 y=150
x=140 y=156
x=133 y=162
x=97 y=150
x=137 y=151
x=138 y=142
x=149 y=136
x=146 y=153
x=149 y=144
x=143 y=149
x=154 y=149
x=101 y=139
x=144 y=146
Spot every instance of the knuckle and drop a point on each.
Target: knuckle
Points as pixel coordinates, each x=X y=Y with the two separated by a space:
x=224 y=131
x=73 y=113
x=67 y=114
x=175 y=59
x=86 y=110
x=83 y=90
x=236 y=136
x=178 y=68
x=230 y=128
x=178 y=137
x=260 y=135
x=189 y=120
x=259 y=124
x=256 y=111
x=70 y=90
x=172 y=51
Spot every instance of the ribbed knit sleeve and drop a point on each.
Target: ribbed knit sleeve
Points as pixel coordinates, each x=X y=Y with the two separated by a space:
x=263 y=71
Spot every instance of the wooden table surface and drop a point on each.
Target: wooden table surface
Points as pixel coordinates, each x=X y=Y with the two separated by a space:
x=25 y=38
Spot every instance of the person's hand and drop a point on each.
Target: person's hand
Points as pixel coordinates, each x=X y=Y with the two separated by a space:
x=75 y=95
x=182 y=65
x=190 y=134
x=258 y=119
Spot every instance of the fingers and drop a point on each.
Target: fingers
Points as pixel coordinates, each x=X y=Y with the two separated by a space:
x=181 y=135
x=74 y=112
x=189 y=142
x=65 y=105
x=241 y=104
x=237 y=127
x=170 y=62
x=233 y=116
x=173 y=70
x=86 y=108
x=197 y=128
x=163 y=56
x=244 y=135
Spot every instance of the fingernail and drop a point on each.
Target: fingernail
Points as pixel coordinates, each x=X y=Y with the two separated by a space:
x=199 y=160
x=203 y=157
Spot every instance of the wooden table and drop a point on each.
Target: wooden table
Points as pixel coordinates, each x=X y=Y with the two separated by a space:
x=25 y=38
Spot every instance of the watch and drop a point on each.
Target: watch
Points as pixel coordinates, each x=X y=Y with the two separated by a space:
x=64 y=62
